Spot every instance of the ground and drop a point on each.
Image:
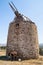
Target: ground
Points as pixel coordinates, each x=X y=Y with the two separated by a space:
x=3 y=60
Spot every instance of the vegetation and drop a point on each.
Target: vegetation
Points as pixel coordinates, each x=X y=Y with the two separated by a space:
x=41 y=51
x=2 y=47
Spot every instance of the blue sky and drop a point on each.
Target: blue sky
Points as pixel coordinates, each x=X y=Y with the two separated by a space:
x=33 y=9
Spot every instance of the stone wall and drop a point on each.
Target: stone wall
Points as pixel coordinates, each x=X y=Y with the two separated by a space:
x=23 y=38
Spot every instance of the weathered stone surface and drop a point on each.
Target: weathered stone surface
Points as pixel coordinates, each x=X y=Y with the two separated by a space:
x=23 y=38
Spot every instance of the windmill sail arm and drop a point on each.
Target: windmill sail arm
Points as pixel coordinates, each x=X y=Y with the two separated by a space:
x=15 y=9
x=12 y=8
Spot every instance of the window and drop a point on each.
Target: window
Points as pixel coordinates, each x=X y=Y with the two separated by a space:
x=17 y=25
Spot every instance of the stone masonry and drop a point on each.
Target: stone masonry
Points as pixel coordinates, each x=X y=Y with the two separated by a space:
x=23 y=38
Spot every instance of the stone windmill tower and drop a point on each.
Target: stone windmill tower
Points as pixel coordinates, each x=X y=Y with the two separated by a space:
x=22 y=36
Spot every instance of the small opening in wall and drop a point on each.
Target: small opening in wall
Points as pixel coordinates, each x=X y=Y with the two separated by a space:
x=17 y=25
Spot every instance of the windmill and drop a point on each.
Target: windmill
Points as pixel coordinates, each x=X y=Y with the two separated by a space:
x=22 y=39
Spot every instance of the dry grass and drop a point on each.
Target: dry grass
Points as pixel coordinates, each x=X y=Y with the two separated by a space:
x=24 y=62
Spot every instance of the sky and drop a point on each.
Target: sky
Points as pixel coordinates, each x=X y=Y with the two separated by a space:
x=33 y=9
